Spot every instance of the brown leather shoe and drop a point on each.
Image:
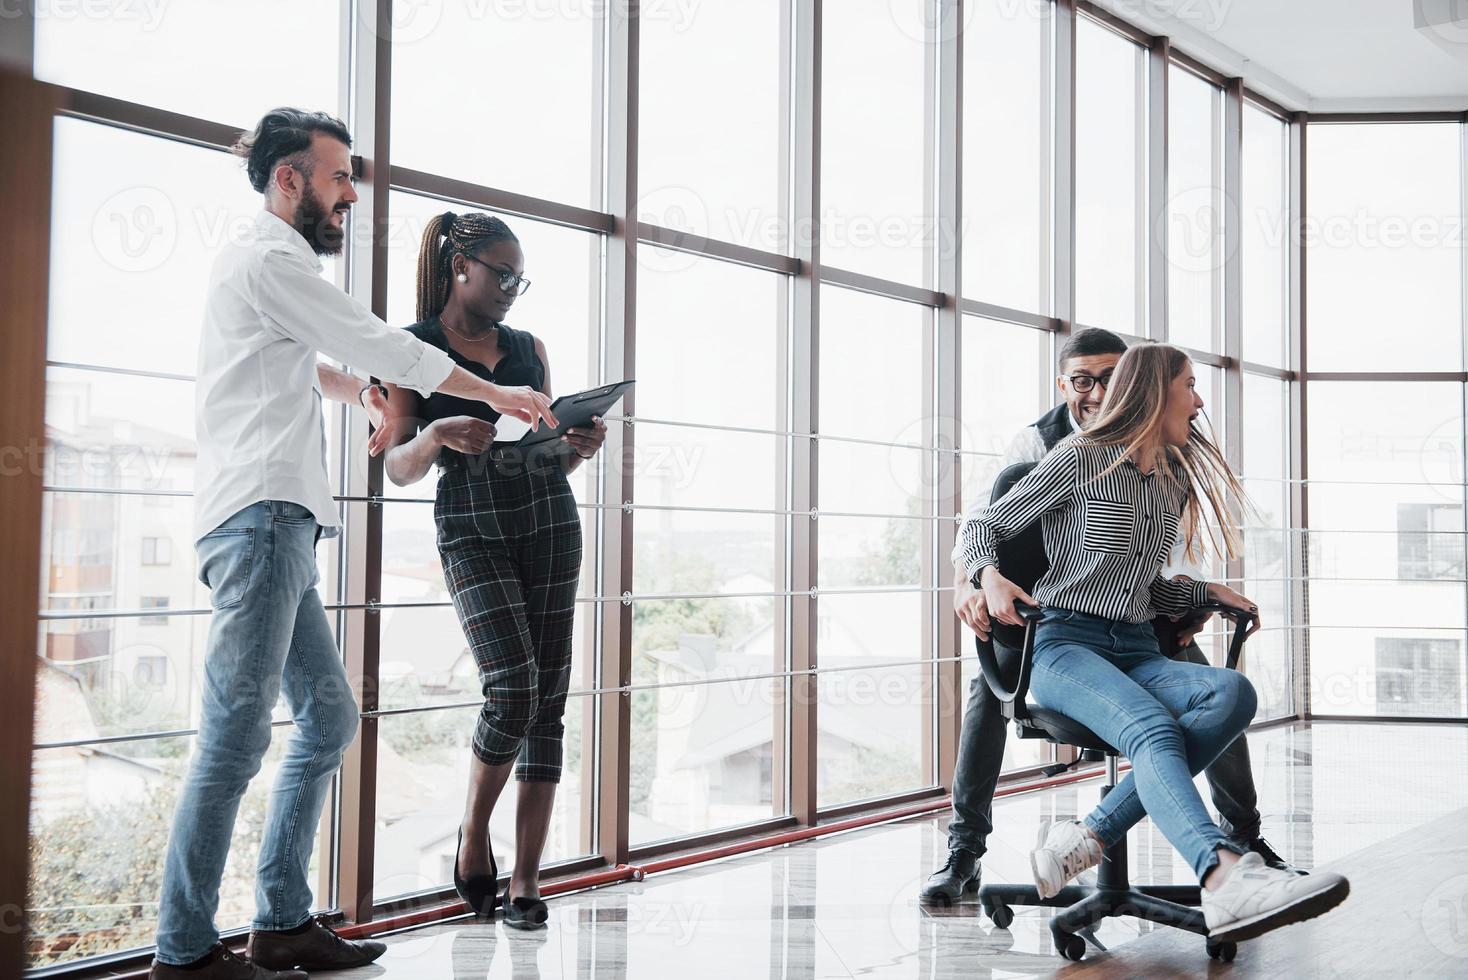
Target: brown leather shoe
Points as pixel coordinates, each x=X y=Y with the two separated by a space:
x=223 y=965
x=318 y=948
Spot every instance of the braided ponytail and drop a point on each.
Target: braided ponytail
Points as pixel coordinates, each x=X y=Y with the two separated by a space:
x=459 y=233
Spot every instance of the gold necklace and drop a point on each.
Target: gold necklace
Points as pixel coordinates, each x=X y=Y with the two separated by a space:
x=468 y=340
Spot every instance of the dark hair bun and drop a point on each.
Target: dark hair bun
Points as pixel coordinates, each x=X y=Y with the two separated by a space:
x=282 y=133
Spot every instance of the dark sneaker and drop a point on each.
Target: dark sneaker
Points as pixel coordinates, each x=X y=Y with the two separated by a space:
x=959 y=874
x=1261 y=847
x=318 y=948
x=222 y=965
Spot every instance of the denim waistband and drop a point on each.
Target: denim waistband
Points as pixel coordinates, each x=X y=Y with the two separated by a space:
x=1052 y=615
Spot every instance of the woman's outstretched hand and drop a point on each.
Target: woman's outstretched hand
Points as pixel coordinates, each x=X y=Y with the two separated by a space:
x=1224 y=596
x=1001 y=594
x=524 y=403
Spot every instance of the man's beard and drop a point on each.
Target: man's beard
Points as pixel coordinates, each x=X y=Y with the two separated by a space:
x=313 y=221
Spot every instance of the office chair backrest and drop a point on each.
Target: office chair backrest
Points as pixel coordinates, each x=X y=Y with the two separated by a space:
x=1022 y=558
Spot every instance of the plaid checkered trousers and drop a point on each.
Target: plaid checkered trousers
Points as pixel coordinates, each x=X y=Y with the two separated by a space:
x=510 y=538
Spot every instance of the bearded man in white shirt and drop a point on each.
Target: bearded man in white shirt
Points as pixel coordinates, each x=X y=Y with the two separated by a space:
x=262 y=501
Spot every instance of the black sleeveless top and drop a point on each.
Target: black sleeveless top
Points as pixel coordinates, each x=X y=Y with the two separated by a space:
x=519 y=365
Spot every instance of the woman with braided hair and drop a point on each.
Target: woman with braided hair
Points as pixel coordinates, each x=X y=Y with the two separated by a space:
x=510 y=538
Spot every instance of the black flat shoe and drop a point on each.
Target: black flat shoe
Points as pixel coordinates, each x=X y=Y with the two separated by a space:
x=479 y=892
x=525 y=913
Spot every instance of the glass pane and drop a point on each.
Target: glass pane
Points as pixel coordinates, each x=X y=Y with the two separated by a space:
x=871 y=367
x=422 y=781
x=127 y=675
x=563 y=309
x=536 y=67
x=120 y=431
x=1006 y=195
x=681 y=335
x=1387 y=595
x=872 y=720
x=1194 y=211
x=683 y=551
x=1110 y=174
x=685 y=466
x=130 y=252
x=1263 y=235
x=705 y=555
x=701 y=754
x=100 y=817
x=710 y=151
x=701 y=638
x=875 y=215
x=862 y=479
x=1007 y=384
x=1384 y=231
x=861 y=552
x=1267 y=564
x=170 y=55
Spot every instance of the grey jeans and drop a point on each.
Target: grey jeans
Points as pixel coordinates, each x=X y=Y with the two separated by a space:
x=981 y=754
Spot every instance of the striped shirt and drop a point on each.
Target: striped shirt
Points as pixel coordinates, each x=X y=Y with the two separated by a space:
x=1029 y=447
x=1107 y=538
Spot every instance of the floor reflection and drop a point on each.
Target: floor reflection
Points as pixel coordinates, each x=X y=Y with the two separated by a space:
x=845 y=906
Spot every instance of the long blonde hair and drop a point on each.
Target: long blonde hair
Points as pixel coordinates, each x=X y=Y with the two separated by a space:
x=1131 y=417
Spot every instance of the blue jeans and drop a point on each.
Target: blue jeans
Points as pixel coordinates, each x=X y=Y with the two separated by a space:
x=268 y=636
x=1170 y=718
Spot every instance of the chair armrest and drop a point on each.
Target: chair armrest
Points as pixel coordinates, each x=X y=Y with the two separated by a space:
x=1243 y=618
x=989 y=666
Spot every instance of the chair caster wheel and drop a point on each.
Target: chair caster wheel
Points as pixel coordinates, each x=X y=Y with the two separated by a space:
x=1001 y=916
x=1071 y=947
x=1223 y=952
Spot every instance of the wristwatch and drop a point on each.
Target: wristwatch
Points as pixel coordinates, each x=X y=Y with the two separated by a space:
x=366 y=388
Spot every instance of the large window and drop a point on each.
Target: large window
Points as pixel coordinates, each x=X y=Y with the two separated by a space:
x=1264 y=236
x=1387 y=487
x=504 y=95
x=698 y=610
x=1268 y=543
x=1111 y=169
x=226 y=62
x=1194 y=215
x=711 y=159
x=872 y=715
x=1386 y=482
x=1007 y=133
x=708 y=555
x=876 y=215
x=1384 y=236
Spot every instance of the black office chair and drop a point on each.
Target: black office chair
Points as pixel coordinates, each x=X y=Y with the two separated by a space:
x=1022 y=560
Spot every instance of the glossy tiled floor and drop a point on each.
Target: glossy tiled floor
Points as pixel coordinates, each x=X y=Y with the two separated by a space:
x=845 y=906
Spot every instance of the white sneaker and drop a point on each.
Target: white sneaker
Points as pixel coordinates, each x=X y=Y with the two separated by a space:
x=1256 y=898
x=1064 y=850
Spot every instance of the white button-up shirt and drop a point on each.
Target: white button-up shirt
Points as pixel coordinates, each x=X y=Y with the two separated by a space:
x=258 y=420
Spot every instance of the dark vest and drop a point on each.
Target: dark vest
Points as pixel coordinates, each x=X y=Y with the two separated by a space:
x=1054 y=425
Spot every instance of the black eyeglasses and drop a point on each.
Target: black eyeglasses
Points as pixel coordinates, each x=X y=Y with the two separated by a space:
x=510 y=284
x=1082 y=383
